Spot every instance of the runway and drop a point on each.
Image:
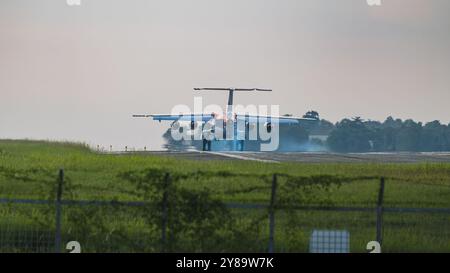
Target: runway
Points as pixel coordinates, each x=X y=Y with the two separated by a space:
x=305 y=157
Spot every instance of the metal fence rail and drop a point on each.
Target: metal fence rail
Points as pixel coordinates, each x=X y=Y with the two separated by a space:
x=230 y=205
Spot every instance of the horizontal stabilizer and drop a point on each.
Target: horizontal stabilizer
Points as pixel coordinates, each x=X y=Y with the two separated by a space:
x=232 y=89
x=141 y=116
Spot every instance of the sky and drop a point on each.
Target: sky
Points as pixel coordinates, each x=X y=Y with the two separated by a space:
x=78 y=73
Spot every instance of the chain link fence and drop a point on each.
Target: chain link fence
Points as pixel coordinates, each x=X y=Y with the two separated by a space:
x=176 y=219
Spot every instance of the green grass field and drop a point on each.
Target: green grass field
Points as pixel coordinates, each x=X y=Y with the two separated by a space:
x=28 y=169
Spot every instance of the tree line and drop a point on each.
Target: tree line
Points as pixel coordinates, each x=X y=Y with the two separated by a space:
x=392 y=135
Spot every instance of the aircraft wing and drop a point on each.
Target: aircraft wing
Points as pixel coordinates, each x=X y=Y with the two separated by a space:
x=205 y=117
x=181 y=117
x=274 y=119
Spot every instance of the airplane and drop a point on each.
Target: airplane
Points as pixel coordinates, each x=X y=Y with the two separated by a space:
x=215 y=124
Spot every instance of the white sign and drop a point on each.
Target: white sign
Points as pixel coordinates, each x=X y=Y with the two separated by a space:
x=329 y=241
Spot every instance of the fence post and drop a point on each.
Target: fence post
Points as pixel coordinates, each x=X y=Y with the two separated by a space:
x=58 y=212
x=272 y=214
x=380 y=212
x=165 y=202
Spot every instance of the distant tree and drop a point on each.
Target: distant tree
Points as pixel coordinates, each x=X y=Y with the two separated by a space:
x=447 y=137
x=434 y=137
x=408 y=137
x=372 y=124
x=327 y=124
x=324 y=127
x=390 y=122
x=312 y=114
x=388 y=134
x=350 y=136
x=376 y=135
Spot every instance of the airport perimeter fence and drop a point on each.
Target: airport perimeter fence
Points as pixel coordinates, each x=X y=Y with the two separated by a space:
x=177 y=219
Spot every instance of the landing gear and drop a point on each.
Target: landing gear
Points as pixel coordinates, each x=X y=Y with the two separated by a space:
x=206 y=145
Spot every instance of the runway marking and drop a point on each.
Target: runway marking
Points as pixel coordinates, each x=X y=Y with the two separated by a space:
x=235 y=156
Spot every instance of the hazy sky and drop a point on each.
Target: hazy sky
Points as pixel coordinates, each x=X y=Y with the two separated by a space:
x=80 y=72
